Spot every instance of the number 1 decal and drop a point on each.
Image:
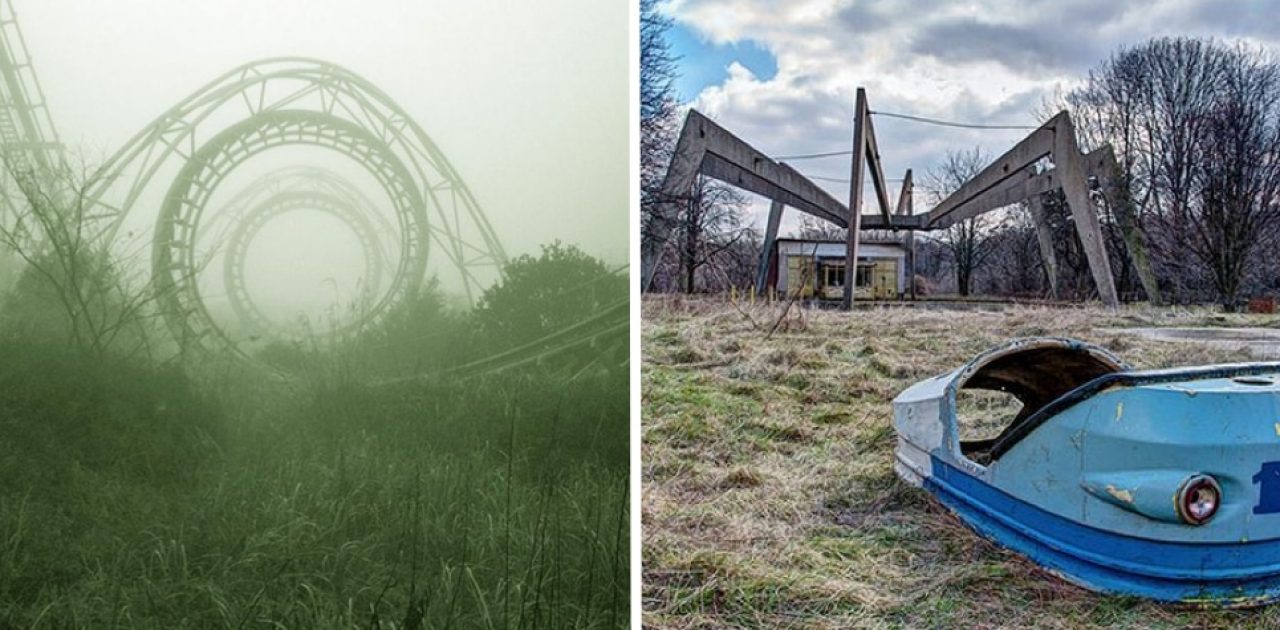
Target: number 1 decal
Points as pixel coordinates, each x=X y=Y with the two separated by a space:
x=1269 y=493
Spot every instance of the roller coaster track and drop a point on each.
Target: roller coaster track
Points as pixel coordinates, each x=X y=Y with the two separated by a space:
x=27 y=134
x=604 y=331
x=290 y=102
x=198 y=143
x=232 y=231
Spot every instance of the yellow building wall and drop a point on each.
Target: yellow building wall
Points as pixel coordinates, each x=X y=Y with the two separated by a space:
x=884 y=279
x=881 y=283
x=801 y=268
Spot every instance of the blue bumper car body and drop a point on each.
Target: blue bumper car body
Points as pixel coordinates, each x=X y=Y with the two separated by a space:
x=1162 y=484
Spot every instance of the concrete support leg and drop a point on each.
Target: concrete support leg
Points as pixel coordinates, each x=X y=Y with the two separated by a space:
x=685 y=164
x=766 y=254
x=1067 y=161
x=910 y=243
x=855 y=198
x=1111 y=180
x=1044 y=236
x=906 y=207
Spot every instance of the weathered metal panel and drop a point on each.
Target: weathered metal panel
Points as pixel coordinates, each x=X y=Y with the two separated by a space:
x=1215 y=426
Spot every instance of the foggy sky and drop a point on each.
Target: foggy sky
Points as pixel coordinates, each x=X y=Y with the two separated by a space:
x=528 y=100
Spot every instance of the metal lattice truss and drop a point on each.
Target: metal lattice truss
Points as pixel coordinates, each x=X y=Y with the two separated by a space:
x=290 y=102
x=28 y=138
x=705 y=148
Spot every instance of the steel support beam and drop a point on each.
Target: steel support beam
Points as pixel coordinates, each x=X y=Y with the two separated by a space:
x=1013 y=190
x=1004 y=182
x=708 y=149
x=983 y=192
x=875 y=168
x=1103 y=165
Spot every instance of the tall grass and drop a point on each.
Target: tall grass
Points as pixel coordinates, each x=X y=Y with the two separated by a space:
x=152 y=495
x=465 y=505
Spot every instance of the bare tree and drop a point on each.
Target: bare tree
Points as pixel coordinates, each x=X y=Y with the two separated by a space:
x=1014 y=266
x=1107 y=110
x=47 y=228
x=1239 y=171
x=815 y=229
x=709 y=230
x=658 y=119
x=968 y=242
x=1193 y=123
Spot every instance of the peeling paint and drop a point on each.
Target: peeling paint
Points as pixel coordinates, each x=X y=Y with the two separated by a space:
x=1119 y=410
x=1123 y=495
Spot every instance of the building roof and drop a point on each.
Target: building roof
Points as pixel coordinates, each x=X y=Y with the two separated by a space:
x=870 y=237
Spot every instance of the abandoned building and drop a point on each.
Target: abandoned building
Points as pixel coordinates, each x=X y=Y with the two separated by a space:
x=816 y=268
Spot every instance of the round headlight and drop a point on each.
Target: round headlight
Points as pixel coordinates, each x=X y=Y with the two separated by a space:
x=1198 y=499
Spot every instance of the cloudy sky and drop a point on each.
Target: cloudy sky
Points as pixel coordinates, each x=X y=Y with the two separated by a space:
x=781 y=74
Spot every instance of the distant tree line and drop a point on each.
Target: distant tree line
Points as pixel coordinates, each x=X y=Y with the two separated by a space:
x=64 y=287
x=1195 y=126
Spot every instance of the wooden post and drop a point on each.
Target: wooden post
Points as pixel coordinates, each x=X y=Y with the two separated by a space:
x=770 y=237
x=855 y=198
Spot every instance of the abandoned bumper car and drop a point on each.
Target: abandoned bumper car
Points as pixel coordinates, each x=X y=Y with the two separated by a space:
x=1157 y=483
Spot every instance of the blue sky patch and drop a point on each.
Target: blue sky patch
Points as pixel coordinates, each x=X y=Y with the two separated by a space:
x=702 y=63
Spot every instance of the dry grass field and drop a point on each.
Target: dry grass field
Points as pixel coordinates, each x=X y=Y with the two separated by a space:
x=769 y=496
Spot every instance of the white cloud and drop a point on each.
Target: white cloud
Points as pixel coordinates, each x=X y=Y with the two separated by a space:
x=990 y=62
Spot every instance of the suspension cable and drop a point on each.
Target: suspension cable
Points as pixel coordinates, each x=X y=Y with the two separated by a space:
x=811 y=156
x=919 y=119
x=949 y=123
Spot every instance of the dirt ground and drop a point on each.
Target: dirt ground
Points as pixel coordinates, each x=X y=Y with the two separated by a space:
x=769 y=496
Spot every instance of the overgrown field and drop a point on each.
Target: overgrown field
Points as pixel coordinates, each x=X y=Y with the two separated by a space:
x=361 y=484
x=769 y=495
x=483 y=504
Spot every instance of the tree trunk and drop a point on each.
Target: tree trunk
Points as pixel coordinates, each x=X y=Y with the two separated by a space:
x=963 y=275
